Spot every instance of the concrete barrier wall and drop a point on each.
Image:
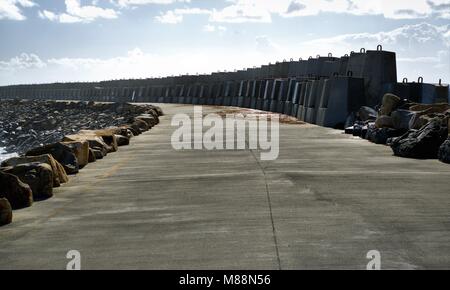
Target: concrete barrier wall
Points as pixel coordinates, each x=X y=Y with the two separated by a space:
x=321 y=90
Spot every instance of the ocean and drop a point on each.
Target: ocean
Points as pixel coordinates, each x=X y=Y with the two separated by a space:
x=4 y=155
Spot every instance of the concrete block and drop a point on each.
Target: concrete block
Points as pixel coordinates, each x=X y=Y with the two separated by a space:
x=341 y=96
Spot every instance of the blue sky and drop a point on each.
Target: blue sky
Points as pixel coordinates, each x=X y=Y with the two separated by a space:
x=81 y=40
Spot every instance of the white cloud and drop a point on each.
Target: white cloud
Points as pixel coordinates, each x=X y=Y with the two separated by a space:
x=131 y=3
x=76 y=13
x=265 y=45
x=23 y=61
x=422 y=50
x=134 y=64
x=177 y=15
x=240 y=11
x=11 y=9
x=213 y=28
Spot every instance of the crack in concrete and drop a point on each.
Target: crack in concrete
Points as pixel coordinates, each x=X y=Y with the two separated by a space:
x=270 y=209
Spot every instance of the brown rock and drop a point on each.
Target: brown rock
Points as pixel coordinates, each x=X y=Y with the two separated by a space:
x=147 y=118
x=430 y=108
x=18 y=194
x=384 y=122
x=61 y=152
x=92 y=157
x=81 y=151
x=5 y=212
x=122 y=140
x=93 y=140
x=390 y=103
x=39 y=176
x=141 y=125
x=59 y=174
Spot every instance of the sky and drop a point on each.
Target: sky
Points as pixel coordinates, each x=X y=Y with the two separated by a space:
x=92 y=40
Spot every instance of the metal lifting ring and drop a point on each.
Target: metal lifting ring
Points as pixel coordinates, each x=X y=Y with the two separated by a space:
x=420 y=80
x=379 y=47
x=362 y=50
x=405 y=80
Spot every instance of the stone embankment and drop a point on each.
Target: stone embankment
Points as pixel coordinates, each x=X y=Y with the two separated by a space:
x=57 y=139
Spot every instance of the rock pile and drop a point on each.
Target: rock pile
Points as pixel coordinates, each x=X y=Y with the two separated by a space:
x=26 y=124
x=412 y=130
x=61 y=151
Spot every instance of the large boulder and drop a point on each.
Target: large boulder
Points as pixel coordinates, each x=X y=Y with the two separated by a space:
x=59 y=174
x=367 y=113
x=444 y=151
x=149 y=119
x=92 y=157
x=81 y=151
x=423 y=143
x=5 y=212
x=122 y=140
x=39 y=176
x=384 y=121
x=61 y=152
x=141 y=125
x=401 y=119
x=18 y=194
x=389 y=103
x=421 y=118
x=96 y=139
x=381 y=135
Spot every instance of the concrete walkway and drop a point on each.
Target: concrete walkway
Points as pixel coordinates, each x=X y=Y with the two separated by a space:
x=327 y=201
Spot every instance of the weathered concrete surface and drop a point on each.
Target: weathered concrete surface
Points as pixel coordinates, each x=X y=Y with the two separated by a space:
x=327 y=201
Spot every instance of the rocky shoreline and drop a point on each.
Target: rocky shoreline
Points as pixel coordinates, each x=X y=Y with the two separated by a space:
x=55 y=139
x=412 y=130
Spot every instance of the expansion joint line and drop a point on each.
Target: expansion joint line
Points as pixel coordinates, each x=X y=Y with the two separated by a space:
x=270 y=209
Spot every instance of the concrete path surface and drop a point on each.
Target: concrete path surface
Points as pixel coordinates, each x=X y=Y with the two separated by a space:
x=324 y=203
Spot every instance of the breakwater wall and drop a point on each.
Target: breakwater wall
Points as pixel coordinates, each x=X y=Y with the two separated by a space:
x=322 y=90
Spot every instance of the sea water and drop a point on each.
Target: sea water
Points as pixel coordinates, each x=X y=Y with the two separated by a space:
x=4 y=155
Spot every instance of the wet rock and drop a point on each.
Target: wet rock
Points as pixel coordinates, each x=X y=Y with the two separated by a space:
x=39 y=176
x=61 y=152
x=444 y=151
x=5 y=212
x=423 y=143
x=18 y=194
